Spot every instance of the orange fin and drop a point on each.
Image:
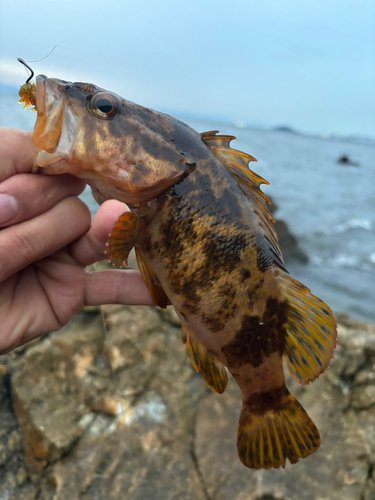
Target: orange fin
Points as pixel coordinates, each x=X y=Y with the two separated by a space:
x=311 y=331
x=268 y=436
x=152 y=281
x=236 y=162
x=214 y=373
x=123 y=237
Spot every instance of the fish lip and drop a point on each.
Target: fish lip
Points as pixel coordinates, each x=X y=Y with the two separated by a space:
x=55 y=124
x=52 y=161
x=50 y=108
x=40 y=93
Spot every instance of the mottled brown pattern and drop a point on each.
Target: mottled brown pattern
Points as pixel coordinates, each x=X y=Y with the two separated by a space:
x=193 y=220
x=258 y=336
x=245 y=274
x=264 y=257
x=273 y=399
x=207 y=239
x=217 y=322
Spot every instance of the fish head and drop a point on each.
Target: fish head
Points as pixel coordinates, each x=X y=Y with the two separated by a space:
x=114 y=145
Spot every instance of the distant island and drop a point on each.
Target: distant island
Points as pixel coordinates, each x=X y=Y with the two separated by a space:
x=284 y=128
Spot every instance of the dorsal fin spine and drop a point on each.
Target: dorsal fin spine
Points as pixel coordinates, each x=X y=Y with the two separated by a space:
x=256 y=179
x=236 y=162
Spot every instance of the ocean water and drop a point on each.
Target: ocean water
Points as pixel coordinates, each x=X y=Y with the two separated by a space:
x=329 y=207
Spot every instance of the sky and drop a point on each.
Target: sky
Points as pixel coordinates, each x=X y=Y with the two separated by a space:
x=307 y=64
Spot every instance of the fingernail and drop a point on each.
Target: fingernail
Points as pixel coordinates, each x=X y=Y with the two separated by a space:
x=8 y=208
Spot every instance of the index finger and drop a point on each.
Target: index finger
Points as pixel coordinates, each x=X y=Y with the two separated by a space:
x=16 y=152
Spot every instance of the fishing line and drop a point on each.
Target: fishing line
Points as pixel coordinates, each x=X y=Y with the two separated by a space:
x=114 y=377
x=105 y=340
x=45 y=57
x=22 y=61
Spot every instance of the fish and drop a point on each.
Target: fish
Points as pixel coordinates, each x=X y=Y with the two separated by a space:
x=204 y=242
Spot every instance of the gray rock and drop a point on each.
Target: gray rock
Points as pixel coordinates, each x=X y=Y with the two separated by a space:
x=288 y=243
x=345 y=160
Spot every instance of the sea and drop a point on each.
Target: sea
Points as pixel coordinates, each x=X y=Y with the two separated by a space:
x=328 y=206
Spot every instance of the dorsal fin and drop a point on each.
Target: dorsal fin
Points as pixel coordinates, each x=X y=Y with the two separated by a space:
x=236 y=162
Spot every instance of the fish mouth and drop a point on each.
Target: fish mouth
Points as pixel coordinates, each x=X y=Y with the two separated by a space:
x=54 y=127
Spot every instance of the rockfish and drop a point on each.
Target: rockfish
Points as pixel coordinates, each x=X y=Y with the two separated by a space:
x=204 y=241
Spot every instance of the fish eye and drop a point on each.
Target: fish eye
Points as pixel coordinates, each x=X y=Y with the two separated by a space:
x=103 y=105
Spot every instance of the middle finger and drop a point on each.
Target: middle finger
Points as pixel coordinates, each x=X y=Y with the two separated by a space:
x=34 y=195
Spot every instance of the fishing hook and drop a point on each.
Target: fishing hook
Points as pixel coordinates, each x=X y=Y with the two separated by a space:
x=28 y=67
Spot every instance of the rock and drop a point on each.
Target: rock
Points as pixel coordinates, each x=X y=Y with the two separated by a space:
x=88 y=429
x=288 y=243
x=273 y=206
x=345 y=160
x=116 y=411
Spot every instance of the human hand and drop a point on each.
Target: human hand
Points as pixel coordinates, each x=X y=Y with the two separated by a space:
x=46 y=242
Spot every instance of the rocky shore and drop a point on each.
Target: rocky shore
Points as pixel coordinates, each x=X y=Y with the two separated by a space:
x=89 y=414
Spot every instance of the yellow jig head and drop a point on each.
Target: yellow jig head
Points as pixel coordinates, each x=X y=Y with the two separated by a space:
x=27 y=90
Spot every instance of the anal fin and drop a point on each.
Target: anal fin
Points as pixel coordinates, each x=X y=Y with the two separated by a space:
x=311 y=331
x=213 y=371
x=152 y=281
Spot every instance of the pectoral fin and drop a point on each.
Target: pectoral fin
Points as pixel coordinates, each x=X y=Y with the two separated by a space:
x=123 y=237
x=213 y=371
x=311 y=331
x=152 y=281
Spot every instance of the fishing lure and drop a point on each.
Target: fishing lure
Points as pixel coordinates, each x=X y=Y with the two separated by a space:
x=27 y=90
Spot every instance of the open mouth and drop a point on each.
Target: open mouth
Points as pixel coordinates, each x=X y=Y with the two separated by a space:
x=48 y=124
x=54 y=125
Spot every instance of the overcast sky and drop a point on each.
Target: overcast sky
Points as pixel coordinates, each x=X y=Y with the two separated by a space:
x=309 y=64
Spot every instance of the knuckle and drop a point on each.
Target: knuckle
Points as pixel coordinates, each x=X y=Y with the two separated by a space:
x=26 y=244
x=18 y=251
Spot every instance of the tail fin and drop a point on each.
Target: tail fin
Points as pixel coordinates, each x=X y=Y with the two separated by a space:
x=266 y=438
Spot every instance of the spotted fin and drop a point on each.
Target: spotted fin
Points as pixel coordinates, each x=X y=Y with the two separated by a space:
x=152 y=281
x=236 y=162
x=267 y=436
x=311 y=331
x=213 y=371
x=123 y=237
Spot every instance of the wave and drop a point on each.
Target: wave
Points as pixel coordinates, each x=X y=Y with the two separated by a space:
x=345 y=260
x=353 y=224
